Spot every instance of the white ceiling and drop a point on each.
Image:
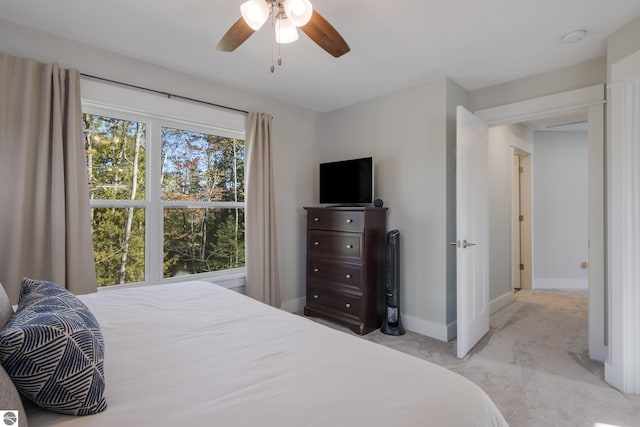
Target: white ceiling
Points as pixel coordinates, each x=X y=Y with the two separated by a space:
x=394 y=44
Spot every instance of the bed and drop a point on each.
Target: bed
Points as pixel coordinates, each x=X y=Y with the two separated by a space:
x=197 y=354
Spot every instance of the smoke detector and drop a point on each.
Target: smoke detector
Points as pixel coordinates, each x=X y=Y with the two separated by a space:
x=574 y=36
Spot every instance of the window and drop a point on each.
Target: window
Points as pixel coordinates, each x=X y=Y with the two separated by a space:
x=202 y=189
x=167 y=197
x=116 y=164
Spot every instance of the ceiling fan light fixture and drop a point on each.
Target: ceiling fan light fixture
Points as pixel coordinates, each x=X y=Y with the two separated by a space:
x=286 y=17
x=255 y=13
x=298 y=11
x=286 y=32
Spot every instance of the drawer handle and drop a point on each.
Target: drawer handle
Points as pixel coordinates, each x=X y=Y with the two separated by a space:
x=315 y=296
x=316 y=243
x=315 y=270
x=347 y=305
x=349 y=246
x=316 y=219
x=348 y=276
x=349 y=221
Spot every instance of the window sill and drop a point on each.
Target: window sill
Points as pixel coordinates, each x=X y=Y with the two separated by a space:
x=233 y=279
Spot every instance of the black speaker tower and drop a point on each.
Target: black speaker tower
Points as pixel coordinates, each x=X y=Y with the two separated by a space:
x=392 y=325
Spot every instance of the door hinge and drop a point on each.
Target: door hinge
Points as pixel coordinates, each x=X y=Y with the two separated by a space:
x=521 y=266
x=521 y=218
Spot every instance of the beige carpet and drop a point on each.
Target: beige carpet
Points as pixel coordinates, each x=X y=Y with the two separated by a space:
x=534 y=364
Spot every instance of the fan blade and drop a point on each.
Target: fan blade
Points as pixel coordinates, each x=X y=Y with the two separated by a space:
x=320 y=31
x=235 y=36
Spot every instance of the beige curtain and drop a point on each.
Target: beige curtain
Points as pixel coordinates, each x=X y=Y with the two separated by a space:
x=260 y=221
x=45 y=229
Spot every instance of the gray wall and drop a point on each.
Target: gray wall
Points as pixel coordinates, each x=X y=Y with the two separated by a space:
x=577 y=76
x=410 y=136
x=623 y=42
x=560 y=206
x=500 y=210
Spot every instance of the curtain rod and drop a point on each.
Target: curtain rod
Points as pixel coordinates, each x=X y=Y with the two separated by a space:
x=167 y=94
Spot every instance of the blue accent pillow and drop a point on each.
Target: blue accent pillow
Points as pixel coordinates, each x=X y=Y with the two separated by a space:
x=53 y=350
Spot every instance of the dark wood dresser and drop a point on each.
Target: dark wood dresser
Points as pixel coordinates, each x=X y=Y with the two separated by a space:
x=345 y=265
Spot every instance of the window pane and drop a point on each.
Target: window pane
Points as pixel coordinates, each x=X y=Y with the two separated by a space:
x=202 y=240
x=118 y=244
x=201 y=167
x=115 y=157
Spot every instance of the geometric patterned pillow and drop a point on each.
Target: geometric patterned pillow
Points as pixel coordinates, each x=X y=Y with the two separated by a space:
x=53 y=350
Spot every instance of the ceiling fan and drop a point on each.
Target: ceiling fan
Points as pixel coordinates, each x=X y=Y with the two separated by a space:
x=287 y=16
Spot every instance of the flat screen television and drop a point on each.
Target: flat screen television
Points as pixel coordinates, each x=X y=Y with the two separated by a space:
x=347 y=182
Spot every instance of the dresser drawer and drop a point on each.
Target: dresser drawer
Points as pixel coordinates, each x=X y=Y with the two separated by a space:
x=343 y=304
x=324 y=219
x=345 y=252
x=339 y=274
x=333 y=244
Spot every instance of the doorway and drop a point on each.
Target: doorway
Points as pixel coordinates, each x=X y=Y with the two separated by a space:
x=522 y=267
x=592 y=100
x=550 y=206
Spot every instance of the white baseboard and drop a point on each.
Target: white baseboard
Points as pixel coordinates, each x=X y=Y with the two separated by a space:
x=501 y=302
x=425 y=327
x=413 y=324
x=613 y=375
x=452 y=330
x=598 y=352
x=561 y=283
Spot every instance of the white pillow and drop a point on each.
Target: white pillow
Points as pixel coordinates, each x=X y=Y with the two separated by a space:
x=6 y=309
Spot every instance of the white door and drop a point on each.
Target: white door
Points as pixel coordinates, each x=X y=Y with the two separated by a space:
x=472 y=229
x=515 y=220
x=622 y=367
x=526 y=258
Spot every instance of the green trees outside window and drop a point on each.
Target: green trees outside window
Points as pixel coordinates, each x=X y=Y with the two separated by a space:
x=205 y=168
x=200 y=192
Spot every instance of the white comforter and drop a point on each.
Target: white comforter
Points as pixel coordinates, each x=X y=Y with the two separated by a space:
x=196 y=354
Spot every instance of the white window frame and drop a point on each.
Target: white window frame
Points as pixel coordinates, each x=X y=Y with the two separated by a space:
x=158 y=112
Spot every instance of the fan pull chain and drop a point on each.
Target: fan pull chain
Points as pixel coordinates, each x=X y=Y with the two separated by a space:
x=275 y=20
x=272 y=68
